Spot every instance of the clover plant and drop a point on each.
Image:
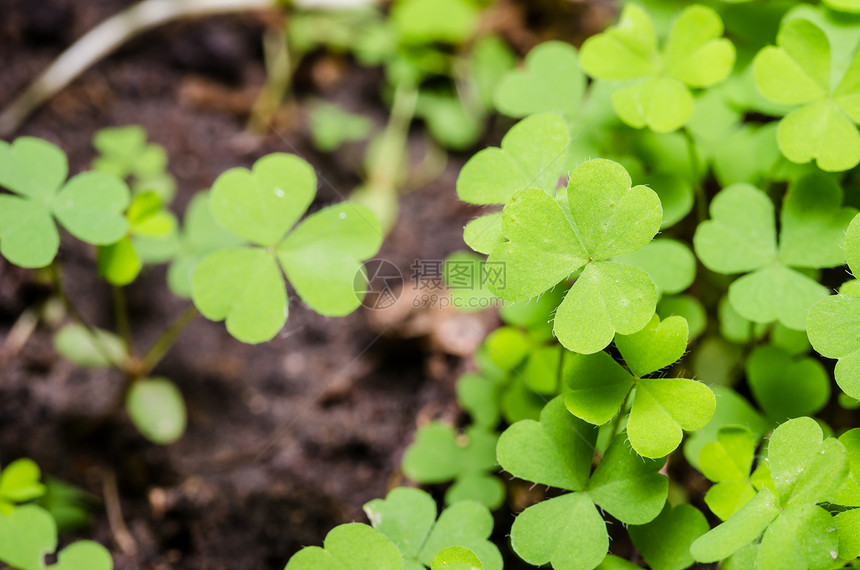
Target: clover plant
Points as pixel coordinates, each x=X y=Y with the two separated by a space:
x=694 y=55
x=28 y=532
x=650 y=291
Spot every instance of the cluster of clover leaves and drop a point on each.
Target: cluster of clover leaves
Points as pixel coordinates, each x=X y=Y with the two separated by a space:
x=597 y=410
x=28 y=532
x=230 y=255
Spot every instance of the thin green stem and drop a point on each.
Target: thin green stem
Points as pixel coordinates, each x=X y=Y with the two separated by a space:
x=120 y=309
x=165 y=342
x=75 y=314
x=384 y=171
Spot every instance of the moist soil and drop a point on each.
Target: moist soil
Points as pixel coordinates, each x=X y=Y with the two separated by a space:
x=286 y=439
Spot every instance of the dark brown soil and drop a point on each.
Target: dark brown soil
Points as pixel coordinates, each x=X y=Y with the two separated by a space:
x=285 y=439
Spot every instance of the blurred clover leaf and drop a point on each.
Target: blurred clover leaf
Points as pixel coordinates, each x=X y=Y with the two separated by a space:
x=851 y=6
x=531 y=156
x=787 y=386
x=465 y=276
x=599 y=217
x=19 y=483
x=732 y=410
x=669 y=263
x=156 y=407
x=332 y=126
x=695 y=55
x=796 y=533
x=439 y=454
x=320 y=256
x=428 y=21
x=834 y=323
x=661 y=408
x=741 y=238
x=451 y=122
x=87 y=348
x=351 y=546
x=456 y=558
x=797 y=71
x=89 y=206
x=124 y=152
x=151 y=238
x=665 y=542
x=200 y=235
x=728 y=462
x=29 y=533
x=550 y=80
x=568 y=531
x=689 y=308
x=408 y=518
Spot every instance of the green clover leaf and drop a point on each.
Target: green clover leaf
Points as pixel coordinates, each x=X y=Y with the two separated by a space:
x=531 y=156
x=439 y=454
x=548 y=240
x=89 y=206
x=551 y=80
x=124 y=153
x=567 y=531
x=352 y=546
x=805 y=469
x=456 y=558
x=661 y=408
x=669 y=263
x=741 y=237
x=333 y=126
x=78 y=344
x=849 y=495
x=19 y=483
x=695 y=55
x=665 y=542
x=28 y=533
x=732 y=410
x=408 y=518
x=321 y=256
x=728 y=462
x=832 y=323
x=656 y=346
x=200 y=235
x=428 y=21
x=787 y=387
x=151 y=238
x=156 y=407
x=797 y=72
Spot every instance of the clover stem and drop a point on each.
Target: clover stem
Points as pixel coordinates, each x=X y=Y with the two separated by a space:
x=75 y=314
x=382 y=179
x=280 y=67
x=616 y=422
x=120 y=308
x=166 y=341
x=698 y=188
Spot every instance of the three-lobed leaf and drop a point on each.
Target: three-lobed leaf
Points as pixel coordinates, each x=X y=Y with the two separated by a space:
x=695 y=55
x=89 y=206
x=322 y=256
